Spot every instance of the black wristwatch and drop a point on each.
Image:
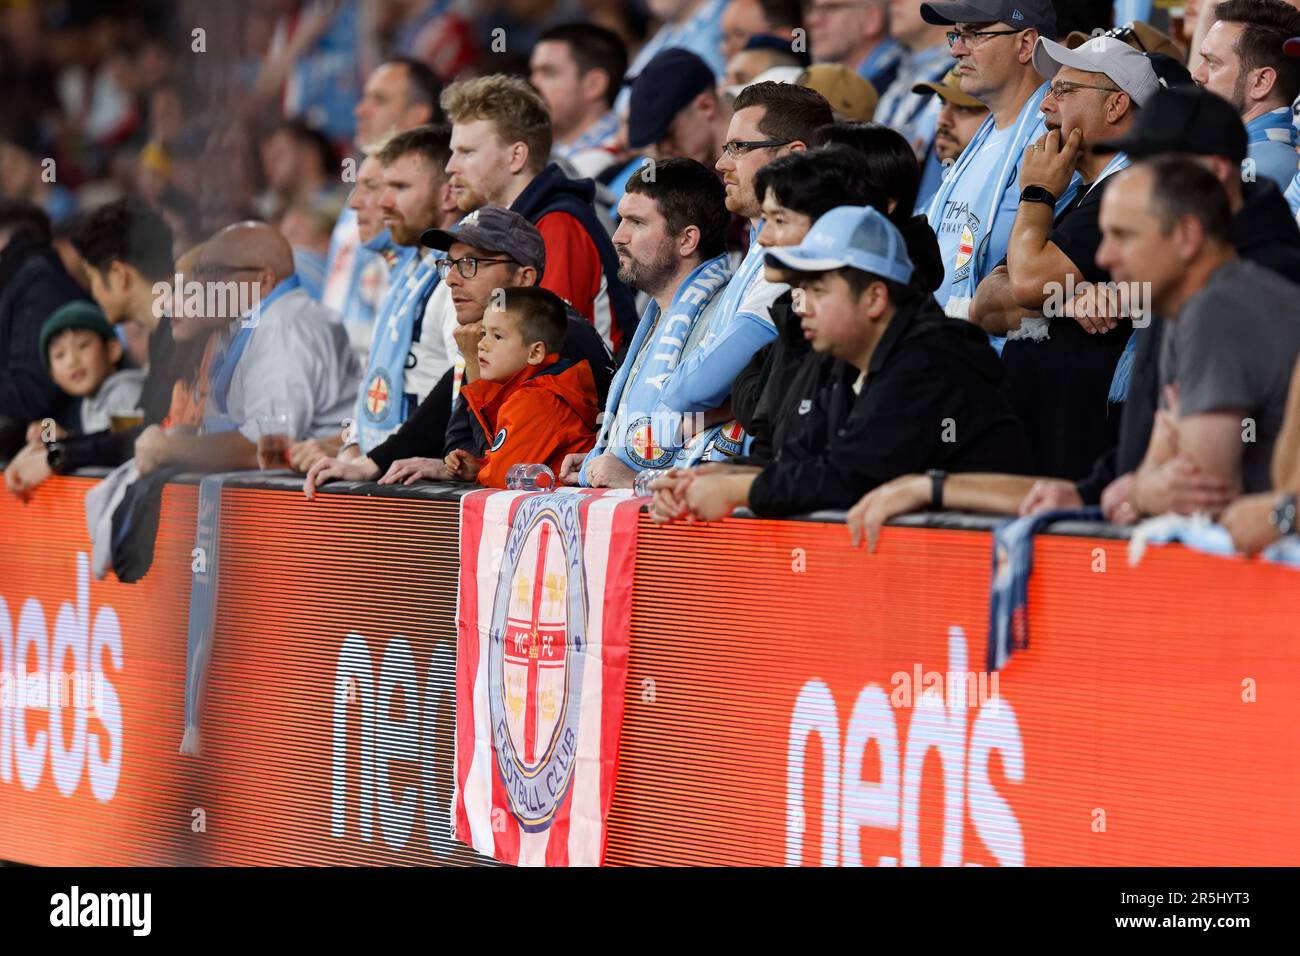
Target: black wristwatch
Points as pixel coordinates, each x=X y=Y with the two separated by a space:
x=1283 y=517
x=1037 y=194
x=936 y=488
x=54 y=457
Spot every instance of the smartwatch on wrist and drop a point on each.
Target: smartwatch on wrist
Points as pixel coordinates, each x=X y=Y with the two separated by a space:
x=936 y=488
x=1037 y=194
x=1283 y=517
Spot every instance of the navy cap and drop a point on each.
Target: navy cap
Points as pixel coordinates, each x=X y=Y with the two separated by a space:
x=494 y=229
x=1183 y=119
x=1037 y=15
x=669 y=82
x=855 y=236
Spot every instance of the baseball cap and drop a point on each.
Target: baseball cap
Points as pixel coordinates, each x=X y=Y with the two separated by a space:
x=949 y=90
x=78 y=314
x=1184 y=119
x=1139 y=35
x=1037 y=15
x=848 y=93
x=495 y=229
x=855 y=236
x=666 y=85
x=1127 y=68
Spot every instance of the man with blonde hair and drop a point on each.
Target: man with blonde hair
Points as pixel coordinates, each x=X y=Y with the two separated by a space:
x=500 y=143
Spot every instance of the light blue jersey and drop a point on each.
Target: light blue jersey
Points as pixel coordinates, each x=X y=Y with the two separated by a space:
x=1271 y=146
x=975 y=206
x=1293 y=196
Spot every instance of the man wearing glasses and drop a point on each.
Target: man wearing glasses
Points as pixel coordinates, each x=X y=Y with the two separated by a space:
x=489 y=250
x=971 y=214
x=771 y=120
x=1060 y=356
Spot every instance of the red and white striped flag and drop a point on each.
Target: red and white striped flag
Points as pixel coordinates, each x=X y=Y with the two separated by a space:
x=545 y=606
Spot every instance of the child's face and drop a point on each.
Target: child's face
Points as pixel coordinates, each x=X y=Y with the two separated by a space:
x=502 y=351
x=80 y=361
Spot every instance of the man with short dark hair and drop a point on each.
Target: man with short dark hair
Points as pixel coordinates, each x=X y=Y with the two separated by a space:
x=670 y=245
x=771 y=120
x=400 y=94
x=1242 y=60
x=1226 y=364
x=33 y=283
x=578 y=68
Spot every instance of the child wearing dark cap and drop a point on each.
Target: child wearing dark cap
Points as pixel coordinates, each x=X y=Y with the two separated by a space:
x=83 y=356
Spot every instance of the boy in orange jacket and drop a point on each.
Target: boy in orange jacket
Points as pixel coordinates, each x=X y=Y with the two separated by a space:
x=534 y=406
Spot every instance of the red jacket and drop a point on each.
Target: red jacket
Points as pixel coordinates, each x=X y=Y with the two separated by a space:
x=539 y=415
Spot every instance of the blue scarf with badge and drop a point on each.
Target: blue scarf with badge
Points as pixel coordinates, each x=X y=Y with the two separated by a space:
x=382 y=406
x=221 y=371
x=645 y=435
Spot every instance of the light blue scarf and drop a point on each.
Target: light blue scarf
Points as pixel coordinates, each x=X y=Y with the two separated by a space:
x=382 y=406
x=645 y=435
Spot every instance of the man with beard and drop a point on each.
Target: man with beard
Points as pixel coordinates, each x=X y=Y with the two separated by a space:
x=670 y=245
x=960 y=116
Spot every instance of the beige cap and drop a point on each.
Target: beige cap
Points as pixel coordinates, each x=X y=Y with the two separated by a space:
x=949 y=90
x=1142 y=37
x=849 y=94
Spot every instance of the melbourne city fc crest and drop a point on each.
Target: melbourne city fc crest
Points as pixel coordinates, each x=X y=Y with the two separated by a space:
x=499 y=440
x=536 y=654
x=642 y=447
x=378 y=394
x=966 y=247
x=730 y=440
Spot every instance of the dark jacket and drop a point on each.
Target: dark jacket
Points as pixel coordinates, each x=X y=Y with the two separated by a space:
x=1263 y=231
x=551 y=191
x=434 y=428
x=930 y=399
x=782 y=377
x=33 y=283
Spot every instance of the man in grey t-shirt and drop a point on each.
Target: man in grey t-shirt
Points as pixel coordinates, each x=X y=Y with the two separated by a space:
x=1233 y=339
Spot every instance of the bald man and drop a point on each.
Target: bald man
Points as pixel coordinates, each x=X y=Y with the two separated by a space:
x=278 y=352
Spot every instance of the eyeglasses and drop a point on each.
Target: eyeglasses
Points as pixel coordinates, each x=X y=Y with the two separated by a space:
x=467 y=266
x=968 y=36
x=1063 y=88
x=735 y=147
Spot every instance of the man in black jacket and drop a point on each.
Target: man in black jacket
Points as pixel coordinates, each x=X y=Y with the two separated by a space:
x=910 y=391
x=127 y=247
x=33 y=283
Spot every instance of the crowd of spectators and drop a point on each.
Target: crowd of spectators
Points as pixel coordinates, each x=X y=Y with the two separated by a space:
x=874 y=256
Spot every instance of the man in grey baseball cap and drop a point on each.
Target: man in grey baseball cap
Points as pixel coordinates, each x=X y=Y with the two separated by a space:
x=491 y=229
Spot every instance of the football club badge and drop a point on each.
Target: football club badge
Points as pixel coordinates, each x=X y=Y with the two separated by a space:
x=378 y=393
x=642 y=447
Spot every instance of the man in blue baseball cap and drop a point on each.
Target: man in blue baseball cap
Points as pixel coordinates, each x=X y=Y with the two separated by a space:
x=975 y=205
x=909 y=390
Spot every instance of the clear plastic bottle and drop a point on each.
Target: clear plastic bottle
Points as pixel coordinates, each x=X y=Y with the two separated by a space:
x=530 y=478
x=641 y=483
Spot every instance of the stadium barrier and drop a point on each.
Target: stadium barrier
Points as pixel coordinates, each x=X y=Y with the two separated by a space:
x=781 y=696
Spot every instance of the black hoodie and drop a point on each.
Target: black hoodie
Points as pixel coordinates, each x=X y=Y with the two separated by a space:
x=930 y=399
